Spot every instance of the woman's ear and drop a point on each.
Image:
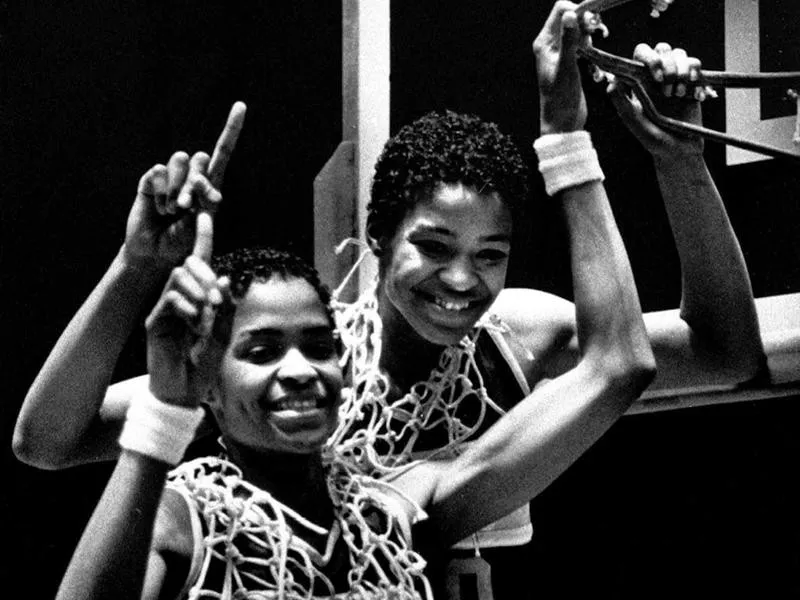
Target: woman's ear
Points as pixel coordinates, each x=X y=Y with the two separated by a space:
x=213 y=406
x=375 y=246
x=212 y=400
x=208 y=426
x=377 y=243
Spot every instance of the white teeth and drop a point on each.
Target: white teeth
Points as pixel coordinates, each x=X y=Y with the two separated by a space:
x=447 y=305
x=296 y=405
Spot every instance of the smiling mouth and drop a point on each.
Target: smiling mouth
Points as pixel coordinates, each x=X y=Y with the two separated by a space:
x=452 y=306
x=297 y=404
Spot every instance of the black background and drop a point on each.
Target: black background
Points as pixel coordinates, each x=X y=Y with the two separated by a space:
x=779 y=30
x=692 y=503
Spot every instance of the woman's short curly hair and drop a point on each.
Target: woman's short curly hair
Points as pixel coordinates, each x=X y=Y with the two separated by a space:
x=246 y=265
x=442 y=147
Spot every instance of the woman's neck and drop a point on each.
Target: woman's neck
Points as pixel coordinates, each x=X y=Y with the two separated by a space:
x=296 y=480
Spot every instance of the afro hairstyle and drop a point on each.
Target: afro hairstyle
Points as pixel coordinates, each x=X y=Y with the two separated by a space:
x=443 y=147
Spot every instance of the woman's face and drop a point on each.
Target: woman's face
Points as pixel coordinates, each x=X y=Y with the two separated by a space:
x=447 y=262
x=280 y=379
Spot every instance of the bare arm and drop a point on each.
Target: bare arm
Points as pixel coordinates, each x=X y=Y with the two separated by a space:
x=60 y=423
x=69 y=415
x=546 y=432
x=714 y=338
x=117 y=556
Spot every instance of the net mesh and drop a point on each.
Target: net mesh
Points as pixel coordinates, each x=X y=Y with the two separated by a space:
x=378 y=434
x=252 y=545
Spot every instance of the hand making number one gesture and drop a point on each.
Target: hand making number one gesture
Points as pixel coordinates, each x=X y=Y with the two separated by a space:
x=187 y=330
x=161 y=225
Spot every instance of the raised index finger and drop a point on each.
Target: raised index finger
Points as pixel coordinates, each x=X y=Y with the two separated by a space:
x=204 y=236
x=226 y=144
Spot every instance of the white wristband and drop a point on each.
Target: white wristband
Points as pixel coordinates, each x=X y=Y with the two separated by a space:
x=567 y=160
x=159 y=430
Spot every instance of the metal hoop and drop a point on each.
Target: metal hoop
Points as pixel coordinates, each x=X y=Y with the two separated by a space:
x=636 y=74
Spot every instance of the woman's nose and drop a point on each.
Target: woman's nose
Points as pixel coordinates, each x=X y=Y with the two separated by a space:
x=459 y=274
x=296 y=369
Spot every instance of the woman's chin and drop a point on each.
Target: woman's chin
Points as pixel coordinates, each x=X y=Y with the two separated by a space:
x=443 y=336
x=300 y=440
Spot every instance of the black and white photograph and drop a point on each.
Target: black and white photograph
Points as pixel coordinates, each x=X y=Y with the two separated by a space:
x=390 y=299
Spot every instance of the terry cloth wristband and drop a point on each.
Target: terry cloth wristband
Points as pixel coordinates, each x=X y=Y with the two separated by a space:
x=159 y=430
x=567 y=160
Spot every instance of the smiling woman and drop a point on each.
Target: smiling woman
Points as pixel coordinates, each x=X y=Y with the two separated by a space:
x=267 y=516
x=439 y=222
x=563 y=371
x=280 y=380
x=445 y=264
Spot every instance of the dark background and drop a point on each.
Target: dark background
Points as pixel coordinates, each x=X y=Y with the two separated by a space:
x=778 y=22
x=692 y=503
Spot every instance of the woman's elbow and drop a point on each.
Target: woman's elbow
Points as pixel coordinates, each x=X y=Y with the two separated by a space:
x=727 y=364
x=31 y=451
x=631 y=370
x=40 y=445
x=731 y=351
x=642 y=372
x=747 y=365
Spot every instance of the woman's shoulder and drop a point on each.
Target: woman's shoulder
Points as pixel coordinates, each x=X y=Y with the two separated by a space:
x=534 y=312
x=394 y=497
x=177 y=539
x=540 y=330
x=174 y=523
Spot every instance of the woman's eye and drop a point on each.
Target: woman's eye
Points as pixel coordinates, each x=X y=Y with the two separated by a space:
x=492 y=255
x=321 y=350
x=432 y=248
x=263 y=354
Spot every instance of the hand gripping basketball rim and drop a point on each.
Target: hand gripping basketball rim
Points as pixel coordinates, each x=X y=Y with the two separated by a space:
x=635 y=74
